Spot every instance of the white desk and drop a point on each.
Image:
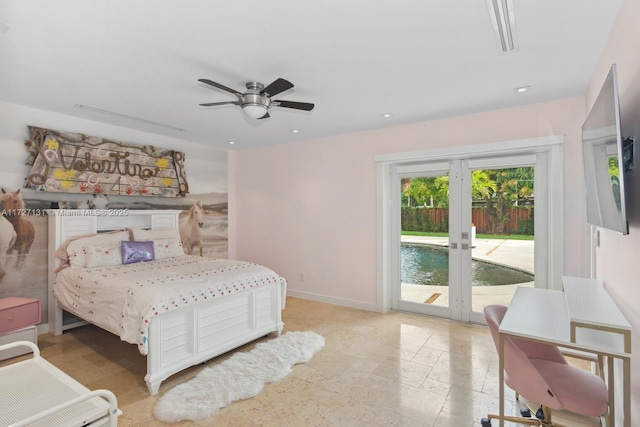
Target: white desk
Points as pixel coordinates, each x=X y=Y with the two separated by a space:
x=544 y=315
x=591 y=309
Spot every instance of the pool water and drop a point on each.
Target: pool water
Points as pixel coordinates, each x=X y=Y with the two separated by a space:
x=428 y=265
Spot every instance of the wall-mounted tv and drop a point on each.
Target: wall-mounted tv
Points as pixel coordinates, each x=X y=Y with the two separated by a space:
x=607 y=156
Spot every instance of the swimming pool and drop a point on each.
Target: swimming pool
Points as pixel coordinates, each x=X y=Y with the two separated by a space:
x=429 y=265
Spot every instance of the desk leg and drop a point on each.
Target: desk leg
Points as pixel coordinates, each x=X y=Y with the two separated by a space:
x=611 y=388
x=626 y=392
x=501 y=375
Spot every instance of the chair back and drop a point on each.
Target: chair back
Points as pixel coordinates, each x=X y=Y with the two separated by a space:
x=521 y=375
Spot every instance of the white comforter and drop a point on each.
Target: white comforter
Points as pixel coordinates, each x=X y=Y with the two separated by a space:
x=124 y=298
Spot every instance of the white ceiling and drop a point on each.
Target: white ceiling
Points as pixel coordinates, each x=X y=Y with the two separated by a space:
x=355 y=59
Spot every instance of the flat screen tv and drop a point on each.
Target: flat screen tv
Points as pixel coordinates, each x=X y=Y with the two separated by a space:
x=607 y=156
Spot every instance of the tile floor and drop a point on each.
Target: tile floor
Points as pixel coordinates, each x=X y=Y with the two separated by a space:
x=393 y=369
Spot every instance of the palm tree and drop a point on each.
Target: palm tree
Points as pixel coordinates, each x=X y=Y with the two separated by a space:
x=500 y=189
x=482 y=186
x=510 y=185
x=431 y=191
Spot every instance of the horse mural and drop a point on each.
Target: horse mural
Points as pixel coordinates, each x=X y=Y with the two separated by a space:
x=13 y=210
x=7 y=240
x=190 y=226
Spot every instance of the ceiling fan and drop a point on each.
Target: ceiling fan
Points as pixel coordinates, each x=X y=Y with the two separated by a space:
x=256 y=101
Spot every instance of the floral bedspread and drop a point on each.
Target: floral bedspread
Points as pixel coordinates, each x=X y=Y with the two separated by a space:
x=124 y=298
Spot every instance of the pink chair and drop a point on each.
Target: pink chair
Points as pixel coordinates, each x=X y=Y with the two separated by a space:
x=540 y=373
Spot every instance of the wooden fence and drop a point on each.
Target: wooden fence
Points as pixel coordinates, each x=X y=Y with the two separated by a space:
x=437 y=220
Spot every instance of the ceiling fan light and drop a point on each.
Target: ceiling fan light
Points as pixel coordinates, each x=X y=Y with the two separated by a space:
x=254 y=110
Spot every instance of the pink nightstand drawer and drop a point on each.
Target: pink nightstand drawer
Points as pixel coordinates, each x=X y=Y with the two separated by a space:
x=17 y=313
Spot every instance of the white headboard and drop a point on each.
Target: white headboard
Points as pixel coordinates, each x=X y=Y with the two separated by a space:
x=67 y=223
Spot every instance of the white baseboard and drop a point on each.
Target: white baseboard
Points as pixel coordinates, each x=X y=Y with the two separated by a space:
x=332 y=300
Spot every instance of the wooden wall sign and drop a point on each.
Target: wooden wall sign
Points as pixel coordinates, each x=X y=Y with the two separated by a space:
x=76 y=163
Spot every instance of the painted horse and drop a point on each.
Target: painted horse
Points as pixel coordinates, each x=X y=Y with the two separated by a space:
x=14 y=211
x=7 y=240
x=190 y=226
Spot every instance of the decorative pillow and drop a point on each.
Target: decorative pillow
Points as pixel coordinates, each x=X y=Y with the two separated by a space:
x=167 y=248
x=140 y=234
x=137 y=252
x=100 y=256
x=76 y=249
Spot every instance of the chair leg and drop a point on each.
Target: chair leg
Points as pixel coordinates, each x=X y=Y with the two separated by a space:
x=544 y=415
x=545 y=421
x=486 y=422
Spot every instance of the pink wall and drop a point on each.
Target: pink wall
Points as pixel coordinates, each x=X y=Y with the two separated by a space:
x=617 y=258
x=310 y=207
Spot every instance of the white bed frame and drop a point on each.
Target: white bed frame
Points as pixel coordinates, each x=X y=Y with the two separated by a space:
x=181 y=338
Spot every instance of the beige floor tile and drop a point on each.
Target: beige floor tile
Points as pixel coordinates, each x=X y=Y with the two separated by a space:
x=387 y=370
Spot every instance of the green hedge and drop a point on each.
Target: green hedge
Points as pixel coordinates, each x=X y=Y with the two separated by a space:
x=430 y=220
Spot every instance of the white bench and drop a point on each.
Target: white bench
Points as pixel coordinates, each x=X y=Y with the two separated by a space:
x=34 y=392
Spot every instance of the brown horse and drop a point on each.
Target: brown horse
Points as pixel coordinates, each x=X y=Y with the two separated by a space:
x=13 y=210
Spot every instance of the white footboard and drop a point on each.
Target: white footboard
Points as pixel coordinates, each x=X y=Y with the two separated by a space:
x=185 y=337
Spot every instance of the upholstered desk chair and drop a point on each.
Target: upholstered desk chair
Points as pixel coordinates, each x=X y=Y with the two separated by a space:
x=540 y=373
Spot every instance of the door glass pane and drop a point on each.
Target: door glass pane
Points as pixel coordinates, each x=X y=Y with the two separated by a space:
x=424 y=253
x=502 y=234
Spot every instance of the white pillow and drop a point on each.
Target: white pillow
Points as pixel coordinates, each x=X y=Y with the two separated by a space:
x=167 y=248
x=100 y=256
x=140 y=234
x=76 y=249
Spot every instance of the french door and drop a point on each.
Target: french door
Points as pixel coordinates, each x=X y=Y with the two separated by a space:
x=442 y=267
x=433 y=275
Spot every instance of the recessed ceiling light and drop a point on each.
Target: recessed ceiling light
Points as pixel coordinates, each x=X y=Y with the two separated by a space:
x=522 y=89
x=294 y=131
x=231 y=142
x=386 y=115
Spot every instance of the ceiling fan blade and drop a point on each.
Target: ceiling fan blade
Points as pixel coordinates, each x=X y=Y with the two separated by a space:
x=219 y=86
x=213 y=104
x=266 y=116
x=306 y=106
x=278 y=86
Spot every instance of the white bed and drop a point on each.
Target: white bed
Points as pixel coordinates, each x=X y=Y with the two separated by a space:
x=222 y=305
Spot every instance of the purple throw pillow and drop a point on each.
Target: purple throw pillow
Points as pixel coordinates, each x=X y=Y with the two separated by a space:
x=137 y=252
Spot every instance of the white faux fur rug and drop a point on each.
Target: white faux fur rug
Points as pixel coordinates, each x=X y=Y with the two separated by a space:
x=241 y=376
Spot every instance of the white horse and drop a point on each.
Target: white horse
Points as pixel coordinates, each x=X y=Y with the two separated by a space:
x=8 y=238
x=99 y=201
x=190 y=226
